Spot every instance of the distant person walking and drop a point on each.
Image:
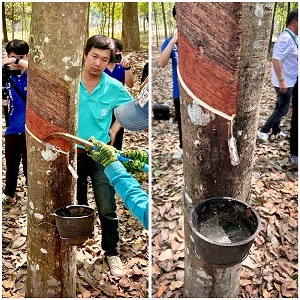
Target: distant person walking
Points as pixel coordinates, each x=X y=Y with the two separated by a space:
x=284 y=75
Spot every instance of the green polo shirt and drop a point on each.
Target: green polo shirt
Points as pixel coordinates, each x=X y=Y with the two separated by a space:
x=95 y=110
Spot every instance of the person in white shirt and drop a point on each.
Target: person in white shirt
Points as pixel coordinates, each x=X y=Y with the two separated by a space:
x=284 y=75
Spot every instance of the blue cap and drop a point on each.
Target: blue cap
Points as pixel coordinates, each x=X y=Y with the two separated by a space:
x=134 y=114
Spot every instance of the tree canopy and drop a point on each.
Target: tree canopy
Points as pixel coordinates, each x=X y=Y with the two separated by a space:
x=104 y=18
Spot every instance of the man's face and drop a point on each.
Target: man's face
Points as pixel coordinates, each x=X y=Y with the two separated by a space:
x=15 y=66
x=96 y=61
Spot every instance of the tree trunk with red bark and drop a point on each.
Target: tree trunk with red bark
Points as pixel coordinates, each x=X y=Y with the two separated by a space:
x=222 y=50
x=58 y=35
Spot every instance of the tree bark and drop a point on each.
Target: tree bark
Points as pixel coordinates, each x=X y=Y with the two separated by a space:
x=13 y=21
x=130 y=26
x=56 y=44
x=4 y=29
x=164 y=19
x=222 y=53
x=155 y=21
x=272 y=30
x=113 y=20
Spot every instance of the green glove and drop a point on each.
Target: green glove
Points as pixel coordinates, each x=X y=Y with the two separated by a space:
x=140 y=155
x=134 y=166
x=105 y=154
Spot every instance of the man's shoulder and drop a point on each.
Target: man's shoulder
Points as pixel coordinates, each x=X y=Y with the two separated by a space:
x=167 y=41
x=284 y=37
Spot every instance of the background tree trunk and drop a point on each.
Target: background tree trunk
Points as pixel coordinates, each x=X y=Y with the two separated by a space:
x=270 y=48
x=4 y=29
x=56 y=45
x=13 y=22
x=155 y=22
x=130 y=26
x=222 y=54
x=113 y=19
x=164 y=19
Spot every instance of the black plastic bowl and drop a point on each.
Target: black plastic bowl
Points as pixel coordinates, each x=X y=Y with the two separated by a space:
x=75 y=223
x=223 y=230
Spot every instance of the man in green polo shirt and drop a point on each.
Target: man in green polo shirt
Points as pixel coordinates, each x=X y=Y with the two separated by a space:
x=99 y=95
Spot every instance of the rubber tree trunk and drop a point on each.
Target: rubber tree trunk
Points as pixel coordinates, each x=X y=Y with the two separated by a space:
x=222 y=54
x=58 y=35
x=130 y=26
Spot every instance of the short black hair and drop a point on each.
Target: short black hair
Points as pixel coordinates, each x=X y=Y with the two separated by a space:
x=19 y=47
x=174 y=12
x=118 y=44
x=102 y=42
x=293 y=15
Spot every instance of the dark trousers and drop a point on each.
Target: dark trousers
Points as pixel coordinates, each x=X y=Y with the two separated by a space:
x=294 y=122
x=119 y=137
x=104 y=197
x=15 y=151
x=281 y=109
x=178 y=117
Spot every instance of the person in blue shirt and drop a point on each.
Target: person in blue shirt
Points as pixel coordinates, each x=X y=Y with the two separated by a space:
x=132 y=116
x=99 y=94
x=15 y=140
x=170 y=50
x=120 y=69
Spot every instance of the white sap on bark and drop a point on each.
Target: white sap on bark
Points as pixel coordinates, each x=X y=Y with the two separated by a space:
x=198 y=116
x=49 y=155
x=67 y=78
x=259 y=12
x=38 y=216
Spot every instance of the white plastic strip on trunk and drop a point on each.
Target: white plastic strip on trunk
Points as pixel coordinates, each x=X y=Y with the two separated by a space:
x=55 y=149
x=234 y=157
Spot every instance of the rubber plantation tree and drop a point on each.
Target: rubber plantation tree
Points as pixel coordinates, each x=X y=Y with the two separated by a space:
x=58 y=35
x=4 y=27
x=222 y=50
x=130 y=26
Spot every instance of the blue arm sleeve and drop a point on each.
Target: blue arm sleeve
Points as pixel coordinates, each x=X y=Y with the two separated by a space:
x=128 y=188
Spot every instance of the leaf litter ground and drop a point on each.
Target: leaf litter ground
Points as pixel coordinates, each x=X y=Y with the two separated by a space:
x=93 y=275
x=271 y=268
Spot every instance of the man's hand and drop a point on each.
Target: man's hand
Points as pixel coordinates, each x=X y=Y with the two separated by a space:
x=8 y=61
x=134 y=166
x=4 y=102
x=140 y=155
x=105 y=154
x=125 y=62
x=282 y=86
x=114 y=129
x=112 y=135
x=174 y=38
